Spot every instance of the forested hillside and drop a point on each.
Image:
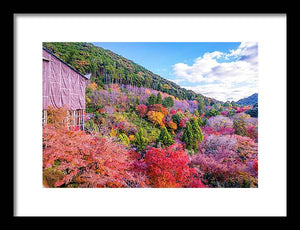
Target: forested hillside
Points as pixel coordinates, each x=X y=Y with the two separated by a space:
x=251 y=100
x=107 y=67
x=143 y=131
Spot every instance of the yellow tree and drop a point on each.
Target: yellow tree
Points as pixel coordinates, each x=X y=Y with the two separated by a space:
x=156 y=117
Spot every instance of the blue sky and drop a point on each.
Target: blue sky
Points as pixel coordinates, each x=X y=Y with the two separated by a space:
x=223 y=70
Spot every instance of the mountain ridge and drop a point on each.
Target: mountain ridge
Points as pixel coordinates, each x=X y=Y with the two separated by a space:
x=251 y=100
x=108 y=67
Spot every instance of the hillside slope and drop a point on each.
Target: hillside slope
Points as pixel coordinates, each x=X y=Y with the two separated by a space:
x=108 y=67
x=251 y=100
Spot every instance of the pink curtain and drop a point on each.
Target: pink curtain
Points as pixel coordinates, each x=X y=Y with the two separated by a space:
x=54 y=70
x=55 y=95
x=65 y=73
x=75 y=101
x=65 y=97
x=62 y=86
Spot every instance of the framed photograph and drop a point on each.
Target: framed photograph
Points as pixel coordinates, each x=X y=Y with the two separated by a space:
x=150 y=115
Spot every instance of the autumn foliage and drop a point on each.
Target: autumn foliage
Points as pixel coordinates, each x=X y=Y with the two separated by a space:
x=156 y=117
x=59 y=117
x=142 y=110
x=76 y=159
x=168 y=168
x=131 y=140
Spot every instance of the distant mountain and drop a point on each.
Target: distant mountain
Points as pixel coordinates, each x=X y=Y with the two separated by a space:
x=251 y=100
x=108 y=67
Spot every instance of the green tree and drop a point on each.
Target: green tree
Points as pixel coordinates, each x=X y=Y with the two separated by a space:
x=140 y=141
x=253 y=112
x=192 y=135
x=177 y=117
x=165 y=137
x=227 y=104
x=198 y=135
x=159 y=99
x=231 y=113
x=188 y=137
x=196 y=113
x=233 y=103
x=202 y=122
x=213 y=112
x=218 y=107
x=240 y=127
x=137 y=101
x=151 y=100
x=168 y=102
x=201 y=106
x=124 y=138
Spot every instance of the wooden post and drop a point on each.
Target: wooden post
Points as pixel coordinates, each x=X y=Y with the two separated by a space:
x=83 y=119
x=74 y=118
x=44 y=117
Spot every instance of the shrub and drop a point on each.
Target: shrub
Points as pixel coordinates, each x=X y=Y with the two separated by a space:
x=90 y=126
x=222 y=131
x=124 y=138
x=142 y=110
x=213 y=112
x=240 y=127
x=172 y=125
x=77 y=159
x=220 y=122
x=59 y=117
x=177 y=117
x=158 y=108
x=168 y=168
x=182 y=123
x=140 y=141
x=227 y=161
x=165 y=138
x=218 y=145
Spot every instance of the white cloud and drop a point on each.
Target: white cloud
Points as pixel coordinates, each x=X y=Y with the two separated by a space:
x=223 y=91
x=230 y=80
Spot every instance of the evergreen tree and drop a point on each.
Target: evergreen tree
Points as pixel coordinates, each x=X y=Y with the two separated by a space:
x=177 y=117
x=165 y=137
x=124 y=138
x=231 y=113
x=196 y=113
x=198 y=135
x=200 y=122
x=192 y=134
x=213 y=112
x=151 y=100
x=227 y=104
x=253 y=112
x=168 y=102
x=137 y=101
x=201 y=106
x=159 y=99
x=188 y=137
x=140 y=141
